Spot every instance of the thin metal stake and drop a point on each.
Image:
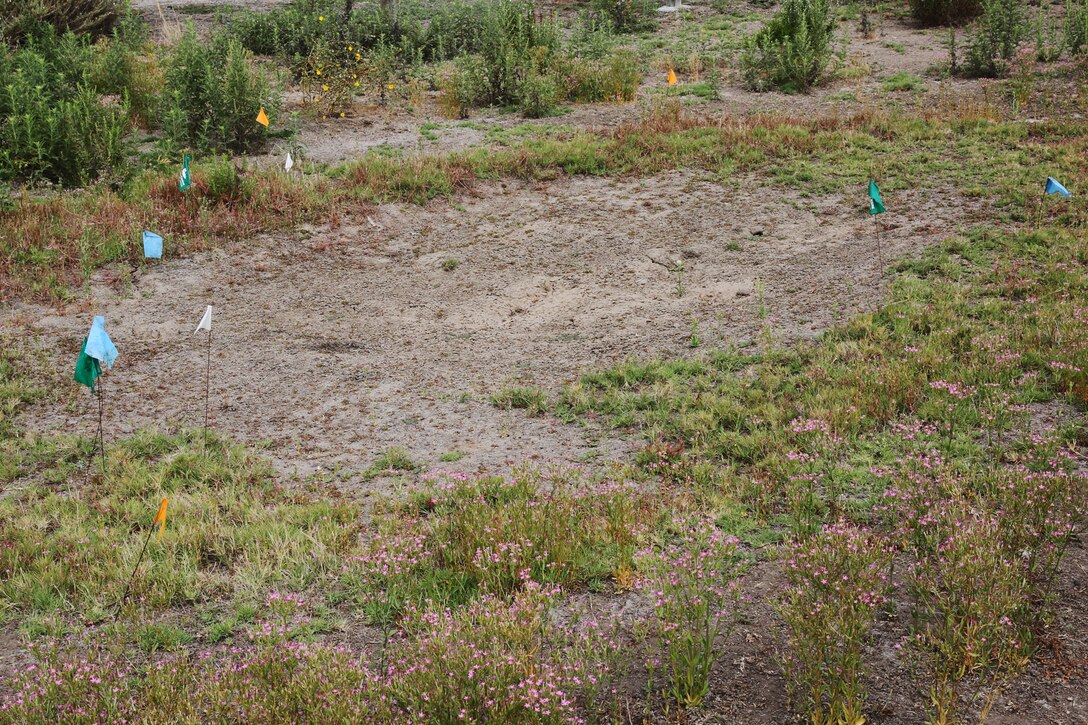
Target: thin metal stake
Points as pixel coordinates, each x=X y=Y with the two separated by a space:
x=207 y=389
x=136 y=568
x=101 y=442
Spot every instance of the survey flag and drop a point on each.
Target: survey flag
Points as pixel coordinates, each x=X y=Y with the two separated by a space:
x=672 y=77
x=99 y=345
x=876 y=206
x=184 y=180
x=205 y=321
x=152 y=245
x=262 y=118
x=1053 y=187
x=160 y=517
x=289 y=163
x=87 y=368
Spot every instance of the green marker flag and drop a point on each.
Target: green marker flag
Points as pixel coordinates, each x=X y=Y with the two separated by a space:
x=184 y=181
x=87 y=368
x=876 y=206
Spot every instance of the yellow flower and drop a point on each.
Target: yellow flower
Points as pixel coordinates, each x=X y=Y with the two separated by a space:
x=358 y=57
x=356 y=84
x=319 y=71
x=390 y=86
x=324 y=88
x=350 y=48
x=320 y=18
x=341 y=114
x=354 y=75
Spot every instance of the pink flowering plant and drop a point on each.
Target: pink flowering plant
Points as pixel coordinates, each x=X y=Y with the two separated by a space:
x=838 y=580
x=693 y=584
x=973 y=611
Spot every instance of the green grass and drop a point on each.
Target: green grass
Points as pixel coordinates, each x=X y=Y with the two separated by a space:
x=723 y=425
x=532 y=399
x=391 y=460
x=902 y=81
x=232 y=531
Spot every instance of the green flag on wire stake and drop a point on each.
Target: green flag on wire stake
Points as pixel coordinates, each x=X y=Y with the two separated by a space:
x=876 y=206
x=184 y=180
x=87 y=368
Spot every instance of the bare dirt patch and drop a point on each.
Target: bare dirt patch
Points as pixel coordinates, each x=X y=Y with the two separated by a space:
x=339 y=342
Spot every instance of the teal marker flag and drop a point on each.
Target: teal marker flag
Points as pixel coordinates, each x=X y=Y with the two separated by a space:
x=876 y=206
x=184 y=180
x=1053 y=187
x=152 y=245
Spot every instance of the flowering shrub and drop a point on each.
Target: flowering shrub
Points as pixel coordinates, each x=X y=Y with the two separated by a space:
x=972 y=610
x=838 y=578
x=693 y=584
x=492 y=661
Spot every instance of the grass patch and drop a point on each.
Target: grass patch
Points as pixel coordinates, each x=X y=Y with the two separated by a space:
x=902 y=81
x=531 y=399
x=232 y=531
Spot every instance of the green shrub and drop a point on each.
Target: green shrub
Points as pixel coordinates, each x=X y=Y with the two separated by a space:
x=627 y=16
x=54 y=126
x=792 y=50
x=1075 y=36
x=539 y=96
x=994 y=38
x=211 y=95
x=944 y=12
x=18 y=18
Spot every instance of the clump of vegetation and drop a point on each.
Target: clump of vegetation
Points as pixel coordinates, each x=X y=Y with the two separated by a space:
x=995 y=37
x=230 y=526
x=211 y=96
x=91 y=17
x=627 y=16
x=1075 y=34
x=792 y=51
x=55 y=124
x=945 y=12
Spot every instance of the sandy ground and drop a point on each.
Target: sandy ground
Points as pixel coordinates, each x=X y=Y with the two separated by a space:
x=339 y=342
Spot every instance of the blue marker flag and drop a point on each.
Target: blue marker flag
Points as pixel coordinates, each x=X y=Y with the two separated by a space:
x=152 y=245
x=99 y=345
x=1053 y=187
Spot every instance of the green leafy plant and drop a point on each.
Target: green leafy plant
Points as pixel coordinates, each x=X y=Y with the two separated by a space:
x=837 y=582
x=90 y=17
x=995 y=37
x=54 y=124
x=792 y=51
x=944 y=12
x=627 y=16
x=211 y=95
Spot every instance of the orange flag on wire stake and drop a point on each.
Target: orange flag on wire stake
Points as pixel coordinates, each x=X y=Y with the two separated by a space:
x=672 y=77
x=262 y=118
x=160 y=518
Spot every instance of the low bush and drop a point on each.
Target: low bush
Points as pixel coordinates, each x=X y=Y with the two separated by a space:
x=838 y=579
x=211 y=95
x=1075 y=35
x=944 y=12
x=693 y=584
x=627 y=16
x=91 y=17
x=995 y=37
x=54 y=124
x=792 y=51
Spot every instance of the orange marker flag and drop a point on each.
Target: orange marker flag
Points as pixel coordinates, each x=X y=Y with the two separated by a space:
x=262 y=118
x=160 y=518
x=672 y=77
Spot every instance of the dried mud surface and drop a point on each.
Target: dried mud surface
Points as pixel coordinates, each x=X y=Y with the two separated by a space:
x=336 y=344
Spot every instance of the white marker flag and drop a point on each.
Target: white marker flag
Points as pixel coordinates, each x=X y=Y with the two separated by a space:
x=205 y=321
x=289 y=163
